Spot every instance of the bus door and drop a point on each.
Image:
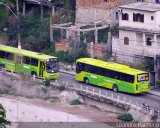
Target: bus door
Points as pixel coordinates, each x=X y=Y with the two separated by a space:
x=18 y=65
x=41 y=69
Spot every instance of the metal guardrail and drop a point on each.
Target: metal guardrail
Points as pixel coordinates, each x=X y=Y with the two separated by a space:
x=99 y=95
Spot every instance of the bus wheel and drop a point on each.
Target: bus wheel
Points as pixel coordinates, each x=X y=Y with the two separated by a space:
x=86 y=81
x=2 y=67
x=115 y=88
x=33 y=73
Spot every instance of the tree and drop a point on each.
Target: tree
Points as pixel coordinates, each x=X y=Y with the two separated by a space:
x=68 y=4
x=35 y=32
x=3 y=121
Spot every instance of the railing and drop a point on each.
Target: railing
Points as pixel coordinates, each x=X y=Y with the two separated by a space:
x=103 y=96
x=106 y=97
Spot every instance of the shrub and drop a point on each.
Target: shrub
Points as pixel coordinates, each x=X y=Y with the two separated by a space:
x=75 y=102
x=125 y=117
x=46 y=82
x=158 y=83
x=61 y=88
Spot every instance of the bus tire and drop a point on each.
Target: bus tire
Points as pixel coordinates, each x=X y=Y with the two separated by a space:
x=86 y=80
x=115 y=88
x=2 y=67
x=33 y=73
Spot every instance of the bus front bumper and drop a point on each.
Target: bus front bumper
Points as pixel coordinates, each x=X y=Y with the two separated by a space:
x=52 y=76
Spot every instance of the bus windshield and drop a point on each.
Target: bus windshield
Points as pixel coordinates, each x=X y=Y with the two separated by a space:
x=52 y=65
x=143 y=77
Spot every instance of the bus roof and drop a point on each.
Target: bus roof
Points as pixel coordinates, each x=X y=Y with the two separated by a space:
x=110 y=65
x=23 y=52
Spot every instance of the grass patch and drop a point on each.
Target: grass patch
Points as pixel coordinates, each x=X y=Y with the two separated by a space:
x=29 y=97
x=75 y=102
x=51 y=99
x=125 y=117
x=61 y=87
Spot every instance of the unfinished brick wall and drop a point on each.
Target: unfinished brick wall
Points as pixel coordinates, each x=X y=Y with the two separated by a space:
x=96 y=50
x=103 y=4
x=61 y=46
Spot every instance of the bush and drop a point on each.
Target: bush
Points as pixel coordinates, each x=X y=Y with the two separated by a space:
x=125 y=117
x=75 y=102
x=158 y=83
x=47 y=82
x=61 y=88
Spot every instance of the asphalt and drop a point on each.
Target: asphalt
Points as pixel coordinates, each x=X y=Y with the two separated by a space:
x=153 y=91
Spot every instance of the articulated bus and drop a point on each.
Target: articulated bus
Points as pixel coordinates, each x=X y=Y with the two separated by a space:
x=28 y=62
x=111 y=75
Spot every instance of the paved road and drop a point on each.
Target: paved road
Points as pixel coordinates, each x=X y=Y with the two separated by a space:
x=151 y=100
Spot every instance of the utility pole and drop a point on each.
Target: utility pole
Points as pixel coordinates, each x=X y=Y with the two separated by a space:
x=110 y=40
x=18 y=25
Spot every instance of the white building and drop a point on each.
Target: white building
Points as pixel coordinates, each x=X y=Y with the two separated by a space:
x=139 y=34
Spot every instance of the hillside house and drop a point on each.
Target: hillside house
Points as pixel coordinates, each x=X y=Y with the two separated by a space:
x=139 y=34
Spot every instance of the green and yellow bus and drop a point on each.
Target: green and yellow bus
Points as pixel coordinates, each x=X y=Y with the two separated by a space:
x=28 y=62
x=111 y=75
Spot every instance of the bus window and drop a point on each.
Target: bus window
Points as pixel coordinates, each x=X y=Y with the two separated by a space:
x=117 y=75
x=2 y=54
x=95 y=70
x=34 y=62
x=87 y=68
x=9 y=56
x=130 y=78
x=123 y=77
x=52 y=65
x=42 y=65
x=79 y=67
x=26 y=60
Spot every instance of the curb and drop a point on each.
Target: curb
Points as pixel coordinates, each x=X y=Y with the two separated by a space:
x=154 y=93
x=67 y=72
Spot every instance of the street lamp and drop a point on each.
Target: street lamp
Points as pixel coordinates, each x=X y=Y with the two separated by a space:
x=17 y=17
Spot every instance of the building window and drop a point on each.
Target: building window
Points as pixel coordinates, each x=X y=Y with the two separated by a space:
x=152 y=17
x=157 y=1
x=138 y=17
x=125 y=16
x=149 y=42
x=126 y=41
x=117 y=15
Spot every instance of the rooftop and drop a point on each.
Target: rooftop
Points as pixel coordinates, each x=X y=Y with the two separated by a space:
x=151 y=7
x=110 y=65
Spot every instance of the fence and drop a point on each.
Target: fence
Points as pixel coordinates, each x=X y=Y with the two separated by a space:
x=103 y=96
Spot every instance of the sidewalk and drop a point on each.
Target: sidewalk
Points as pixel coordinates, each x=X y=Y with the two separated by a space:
x=68 y=72
x=154 y=91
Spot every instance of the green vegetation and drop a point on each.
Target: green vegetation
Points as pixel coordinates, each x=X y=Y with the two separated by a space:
x=47 y=82
x=114 y=30
x=67 y=57
x=158 y=83
x=29 y=97
x=125 y=117
x=103 y=35
x=75 y=102
x=3 y=121
x=61 y=87
x=146 y=65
